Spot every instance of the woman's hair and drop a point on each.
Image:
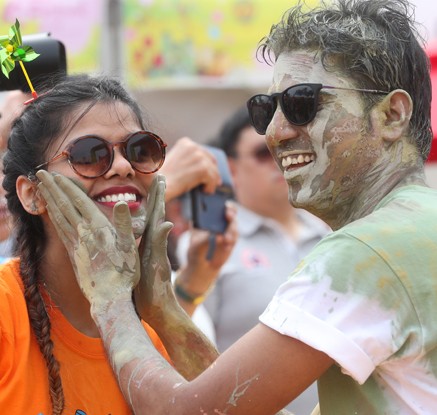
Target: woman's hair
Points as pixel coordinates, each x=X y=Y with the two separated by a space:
x=374 y=42
x=43 y=121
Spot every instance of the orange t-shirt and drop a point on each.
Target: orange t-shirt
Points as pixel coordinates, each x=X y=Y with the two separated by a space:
x=90 y=387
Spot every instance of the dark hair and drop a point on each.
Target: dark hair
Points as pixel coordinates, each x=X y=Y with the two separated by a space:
x=229 y=135
x=42 y=122
x=374 y=42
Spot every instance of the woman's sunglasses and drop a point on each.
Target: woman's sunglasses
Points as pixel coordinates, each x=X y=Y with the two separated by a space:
x=299 y=103
x=91 y=156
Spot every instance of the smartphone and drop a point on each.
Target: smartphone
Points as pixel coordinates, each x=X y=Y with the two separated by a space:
x=208 y=209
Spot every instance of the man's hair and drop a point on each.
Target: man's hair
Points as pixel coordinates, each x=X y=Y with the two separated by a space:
x=374 y=42
x=229 y=135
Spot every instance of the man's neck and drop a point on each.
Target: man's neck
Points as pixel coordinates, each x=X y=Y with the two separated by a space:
x=366 y=200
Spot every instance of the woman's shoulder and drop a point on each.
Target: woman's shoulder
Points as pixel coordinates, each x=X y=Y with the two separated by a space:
x=13 y=310
x=10 y=281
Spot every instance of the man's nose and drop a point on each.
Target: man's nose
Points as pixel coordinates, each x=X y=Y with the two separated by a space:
x=280 y=129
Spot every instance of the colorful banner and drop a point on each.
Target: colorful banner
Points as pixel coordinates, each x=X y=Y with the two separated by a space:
x=76 y=23
x=165 y=41
x=171 y=40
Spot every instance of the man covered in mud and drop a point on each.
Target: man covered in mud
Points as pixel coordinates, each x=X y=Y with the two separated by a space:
x=351 y=90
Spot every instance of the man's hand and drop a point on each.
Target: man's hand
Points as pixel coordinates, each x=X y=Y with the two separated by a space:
x=188 y=165
x=103 y=255
x=154 y=292
x=190 y=351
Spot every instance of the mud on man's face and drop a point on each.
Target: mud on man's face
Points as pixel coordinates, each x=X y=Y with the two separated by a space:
x=335 y=150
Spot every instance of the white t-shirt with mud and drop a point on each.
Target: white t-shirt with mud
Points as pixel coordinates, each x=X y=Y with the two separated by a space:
x=367 y=297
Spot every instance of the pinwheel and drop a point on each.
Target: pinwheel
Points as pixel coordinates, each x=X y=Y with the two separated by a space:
x=12 y=50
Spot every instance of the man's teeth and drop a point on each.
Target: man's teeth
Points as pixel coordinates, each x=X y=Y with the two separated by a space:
x=121 y=197
x=297 y=159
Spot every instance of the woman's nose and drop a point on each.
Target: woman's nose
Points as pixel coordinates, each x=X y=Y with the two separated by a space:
x=121 y=166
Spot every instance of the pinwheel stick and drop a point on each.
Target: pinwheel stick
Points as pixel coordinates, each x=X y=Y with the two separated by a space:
x=34 y=94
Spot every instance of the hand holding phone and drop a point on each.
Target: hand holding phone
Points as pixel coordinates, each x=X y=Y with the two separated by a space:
x=208 y=210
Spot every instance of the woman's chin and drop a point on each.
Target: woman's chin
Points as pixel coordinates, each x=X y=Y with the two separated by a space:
x=138 y=226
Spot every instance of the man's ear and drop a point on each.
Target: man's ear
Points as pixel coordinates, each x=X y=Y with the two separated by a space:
x=390 y=118
x=30 y=198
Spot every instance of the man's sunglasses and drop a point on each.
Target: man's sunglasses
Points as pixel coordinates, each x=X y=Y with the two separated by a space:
x=92 y=156
x=299 y=103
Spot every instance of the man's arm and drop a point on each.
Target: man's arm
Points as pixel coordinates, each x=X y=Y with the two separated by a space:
x=86 y=231
x=189 y=349
x=260 y=374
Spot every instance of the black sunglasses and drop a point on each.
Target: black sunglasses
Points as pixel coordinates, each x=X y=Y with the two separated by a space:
x=299 y=103
x=92 y=156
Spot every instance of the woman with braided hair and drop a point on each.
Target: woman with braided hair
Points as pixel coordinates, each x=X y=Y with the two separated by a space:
x=52 y=360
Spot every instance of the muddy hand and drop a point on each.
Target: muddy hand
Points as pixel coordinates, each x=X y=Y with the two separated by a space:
x=154 y=289
x=103 y=255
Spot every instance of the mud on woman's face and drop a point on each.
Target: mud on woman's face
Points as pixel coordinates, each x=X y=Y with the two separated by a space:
x=113 y=123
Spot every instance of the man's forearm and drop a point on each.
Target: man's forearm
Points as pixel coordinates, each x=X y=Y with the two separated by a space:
x=190 y=350
x=134 y=359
